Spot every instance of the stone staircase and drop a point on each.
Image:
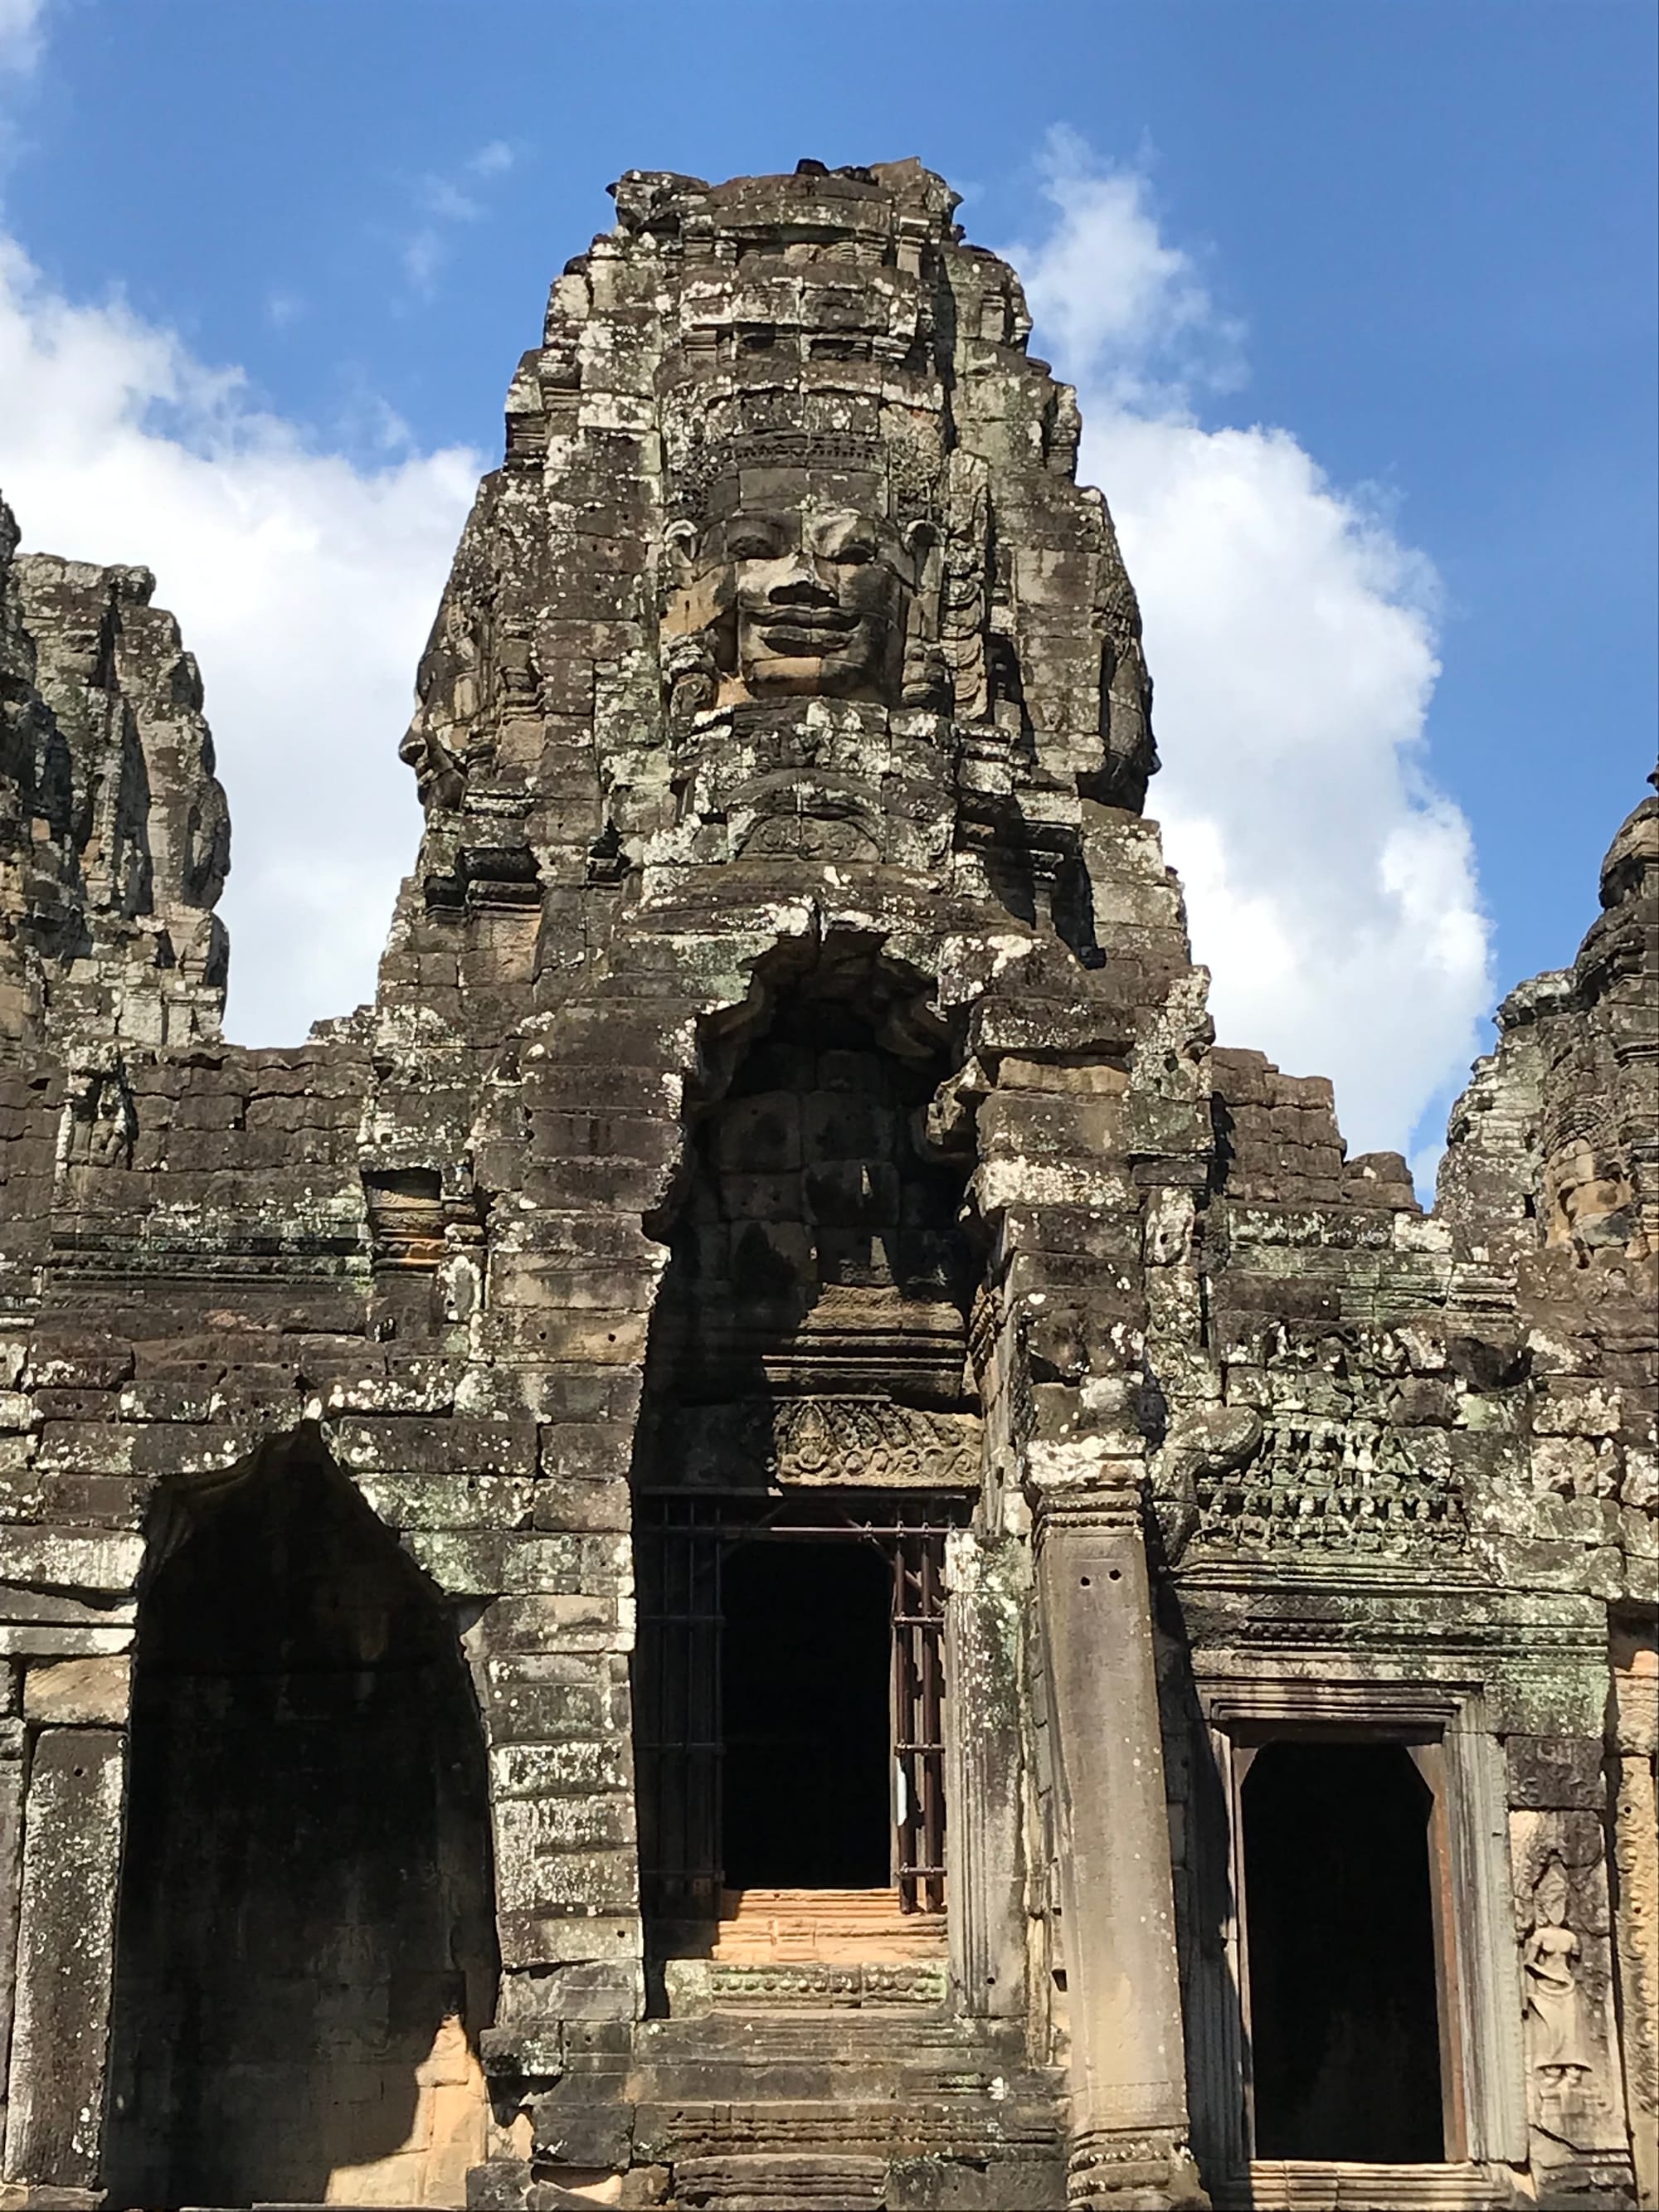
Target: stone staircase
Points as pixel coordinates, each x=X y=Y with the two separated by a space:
x=844 y=2087
x=806 y=2062
x=824 y=1927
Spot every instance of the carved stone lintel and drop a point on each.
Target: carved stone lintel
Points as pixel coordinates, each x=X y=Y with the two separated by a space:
x=830 y=1440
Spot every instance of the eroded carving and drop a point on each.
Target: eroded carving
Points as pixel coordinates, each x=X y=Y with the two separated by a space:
x=799 y=573
x=1562 y=2047
x=829 y=1441
x=100 y=1120
x=1351 y=1487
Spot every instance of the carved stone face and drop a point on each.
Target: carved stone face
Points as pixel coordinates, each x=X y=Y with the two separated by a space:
x=820 y=600
x=1589 y=1204
x=805 y=590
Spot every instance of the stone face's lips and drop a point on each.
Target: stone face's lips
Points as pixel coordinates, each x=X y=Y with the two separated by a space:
x=818 y=634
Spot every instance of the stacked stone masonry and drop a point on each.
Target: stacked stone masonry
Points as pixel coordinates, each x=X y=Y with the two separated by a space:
x=786 y=1180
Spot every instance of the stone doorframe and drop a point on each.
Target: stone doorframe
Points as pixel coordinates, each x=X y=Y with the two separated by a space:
x=987 y=1586
x=1447 y=1731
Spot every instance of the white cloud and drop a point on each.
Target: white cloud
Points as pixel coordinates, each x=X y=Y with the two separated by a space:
x=423 y=254
x=446 y=201
x=443 y=205
x=21 y=33
x=1106 y=290
x=305 y=583
x=1291 y=637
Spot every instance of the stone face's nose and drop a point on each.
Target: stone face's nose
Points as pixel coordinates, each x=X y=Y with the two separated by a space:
x=802 y=586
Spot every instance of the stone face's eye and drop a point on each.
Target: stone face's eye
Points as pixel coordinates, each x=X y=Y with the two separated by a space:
x=752 y=541
x=854 y=550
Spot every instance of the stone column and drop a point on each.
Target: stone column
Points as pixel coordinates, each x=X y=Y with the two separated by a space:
x=1636 y=1925
x=1128 y=2081
x=13 y=1769
x=65 y=1957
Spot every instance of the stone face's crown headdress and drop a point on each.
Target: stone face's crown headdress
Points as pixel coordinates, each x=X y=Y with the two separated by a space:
x=911 y=471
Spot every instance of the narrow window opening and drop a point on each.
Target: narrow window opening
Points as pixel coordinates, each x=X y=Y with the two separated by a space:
x=790 y=1713
x=1343 y=1987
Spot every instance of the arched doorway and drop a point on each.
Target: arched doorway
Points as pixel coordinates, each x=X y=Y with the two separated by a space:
x=305 y=1942
x=809 y=1437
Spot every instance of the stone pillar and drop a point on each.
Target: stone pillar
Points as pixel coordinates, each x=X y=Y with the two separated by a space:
x=65 y=1957
x=1129 y=2082
x=983 y=1629
x=12 y=1770
x=1636 y=1923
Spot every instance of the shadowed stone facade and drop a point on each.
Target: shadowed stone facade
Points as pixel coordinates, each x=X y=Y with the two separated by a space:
x=771 y=1541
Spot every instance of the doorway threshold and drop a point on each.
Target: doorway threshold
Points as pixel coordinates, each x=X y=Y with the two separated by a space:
x=826 y=1927
x=1298 y=2184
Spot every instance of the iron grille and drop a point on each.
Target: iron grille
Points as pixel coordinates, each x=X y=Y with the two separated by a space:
x=682 y=1540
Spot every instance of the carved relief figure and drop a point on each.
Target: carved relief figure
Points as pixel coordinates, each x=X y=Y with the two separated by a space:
x=1590 y=1204
x=1562 y=2042
x=100 y=1123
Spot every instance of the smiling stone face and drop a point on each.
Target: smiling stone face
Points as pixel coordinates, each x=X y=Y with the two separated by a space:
x=802 y=589
x=820 y=595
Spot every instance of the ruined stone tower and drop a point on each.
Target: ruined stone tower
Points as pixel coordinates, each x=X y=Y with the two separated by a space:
x=769 y=1541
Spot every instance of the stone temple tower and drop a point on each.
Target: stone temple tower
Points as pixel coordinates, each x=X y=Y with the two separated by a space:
x=771 y=1541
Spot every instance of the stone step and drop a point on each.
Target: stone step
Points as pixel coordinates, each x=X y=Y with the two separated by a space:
x=849 y=1927
x=1353 y=2185
x=825 y=2181
x=782 y=2181
x=753 y=2058
x=902 y=2021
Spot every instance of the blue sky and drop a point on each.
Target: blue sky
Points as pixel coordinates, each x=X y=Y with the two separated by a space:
x=1414 y=239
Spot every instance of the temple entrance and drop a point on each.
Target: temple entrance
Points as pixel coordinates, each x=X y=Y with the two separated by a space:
x=789 y=1688
x=1344 y=1999
x=809 y=1435
x=305 y=1936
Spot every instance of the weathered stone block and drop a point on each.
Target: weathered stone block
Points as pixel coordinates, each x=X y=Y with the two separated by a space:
x=66 y=1957
x=78 y=1692
x=1552 y=1772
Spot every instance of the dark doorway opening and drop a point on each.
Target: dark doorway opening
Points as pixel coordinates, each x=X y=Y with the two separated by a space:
x=789 y=1700
x=306 y=1914
x=1340 y=1923
x=804 y=1704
